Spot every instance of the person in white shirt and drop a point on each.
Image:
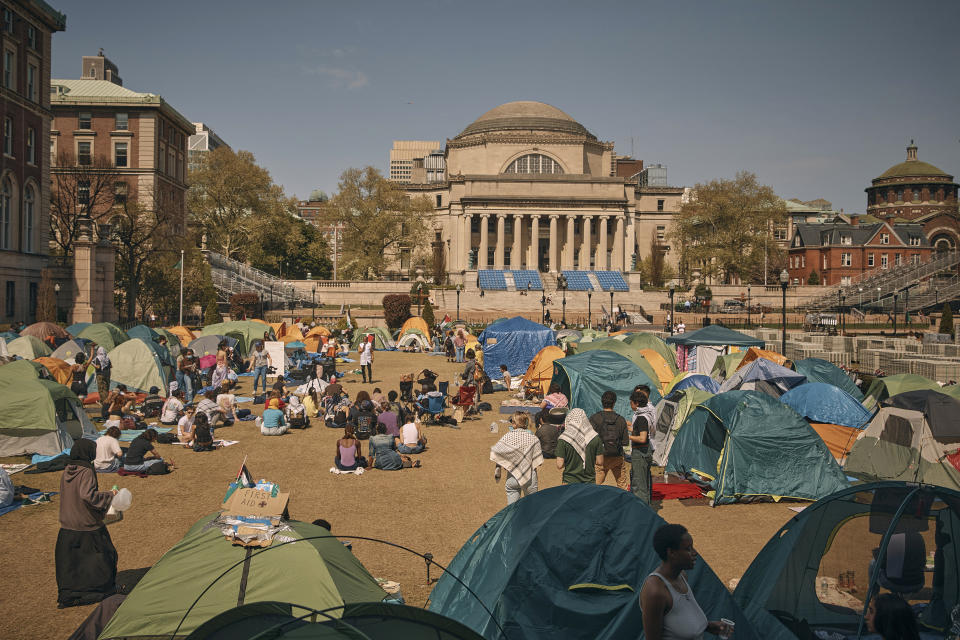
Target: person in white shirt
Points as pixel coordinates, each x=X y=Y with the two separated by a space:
x=172 y=408
x=412 y=439
x=681 y=327
x=366 y=359
x=227 y=402
x=185 y=432
x=109 y=454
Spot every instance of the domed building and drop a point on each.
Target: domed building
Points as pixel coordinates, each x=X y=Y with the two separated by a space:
x=527 y=187
x=918 y=192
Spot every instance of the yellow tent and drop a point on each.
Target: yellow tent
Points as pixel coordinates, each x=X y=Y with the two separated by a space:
x=58 y=368
x=318 y=331
x=292 y=331
x=660 y=366
x=259 y=320
x=540 y=370
x=754 y=352
x=416 y=322
x=292 y=337
x=186 y=336
x=280 y=329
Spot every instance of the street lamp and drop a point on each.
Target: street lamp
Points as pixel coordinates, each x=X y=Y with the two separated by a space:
x=543 y=308
x=271 y=297
x=612 y=321
x=313 y=302
x=860 y=298
x=419 y=289
x=562 y=285
x=673 y=289
x=589 y=295
x=459 y=289
x=748 y=305
x=843 y=317
x=784 y=281
x=56 y=311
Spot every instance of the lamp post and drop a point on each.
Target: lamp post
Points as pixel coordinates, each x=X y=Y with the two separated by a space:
x=271 y=297
x=419 y=289
x=589 y=296
x=839 y=311
x=56 y=308
x=562 y=285
x=748 y=305
x=843 y=317
x=313 y=302
x=784 y=281
x=612 y=321
x=543 y=307
x=459 y=289
x=860 y=299
x=672 y=308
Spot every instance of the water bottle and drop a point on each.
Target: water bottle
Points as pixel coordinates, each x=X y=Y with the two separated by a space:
x=494 y=427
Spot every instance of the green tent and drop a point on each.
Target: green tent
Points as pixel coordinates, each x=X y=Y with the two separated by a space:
x=137 y=365
x=319 y=573
x=715 y=336
x=819 y=370
x=174 y=346
x=646 y=340
x=39 y=416
x=952 y=390
x=584 y=377
x=75 y=329
x=724 y=366
x=28 y=347
x=382 y=339
x=245 y=332
x=882 y=388
x=750 y=445
x=27 y=369
x=632 y=352
x=105 y=334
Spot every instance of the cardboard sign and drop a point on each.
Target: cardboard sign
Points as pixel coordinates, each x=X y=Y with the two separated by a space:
x=253 y=502
x=277 y=357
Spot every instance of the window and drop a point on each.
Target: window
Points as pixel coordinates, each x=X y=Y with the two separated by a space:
x=660 y=205
x=474 y=224
x=120 y=192
x=405 y=259
x=803 y=262
x=914 y=241
x=32 y=83
x=83 y=192
x=846 y=259
x=878 y=196
x=32 y=146
x=83 y=120
x=506 y=256
x=9 y=304
x=439 y=200
x=161 y=129
x=780 y=235
x=507 y=224
x=34 y=295
x=847 y=240
x=884 y=238
x=933 y=196
x=915 y=258
x=120 y=154
x=9 y=65
x=163 y=161
x=534 y=163
x=661 y=233
x=8 y=136
x=122 y=122
x=6 y=212
x=900 y=195
x=8 y=23
x=883 y=261
x=824 y=262
x=896 y=260
x=83 y=152
x=870 y=262
x=916 y=195
x=491 y=255
x=29 y=217
x=846 y=280
x=32 y=38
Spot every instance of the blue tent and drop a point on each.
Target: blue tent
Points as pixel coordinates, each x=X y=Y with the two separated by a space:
x=819 y=370
x=513 y=342
x=75 y=329
x=547 y=571
x=143 y=331
x=822 y=402
x=699 y=381
x=763 y=375
x=584 y=377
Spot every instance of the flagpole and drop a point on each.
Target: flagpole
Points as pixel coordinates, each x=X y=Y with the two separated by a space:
x=181 y=287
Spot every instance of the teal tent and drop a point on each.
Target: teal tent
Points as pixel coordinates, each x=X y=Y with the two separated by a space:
x=245 y=332
x=547 y=571
x=819 y=370
x=791 y=589
x=105 y=334
x=76 y=328
x=715 y=336
x=584 y=377
x=749 y=445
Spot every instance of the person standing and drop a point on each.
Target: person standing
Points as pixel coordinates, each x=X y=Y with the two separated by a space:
x=366 y=359
x=85 y=558
x=459 y=344
x=78 y=374
x=612 y=429
x=259 y=361
x=641 y=456
x=186 y=369
x=518 y=451
x=102 y=365
x=579 y=450
x=670 y=610
x=548 y=432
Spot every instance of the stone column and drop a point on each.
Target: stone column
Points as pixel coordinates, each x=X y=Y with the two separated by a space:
x=484 y=241
x=618 y=245
x=586 y=243
x=631 y=241
x=84 y=273
x=534 y=255
x=553 y=243
x=516 y=254
x=501 y=242
x=570 y=245
x=601 y=259
x=464 y=241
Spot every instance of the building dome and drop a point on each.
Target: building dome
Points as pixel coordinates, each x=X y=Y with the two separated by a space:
x=913 y=168
x=525 y=116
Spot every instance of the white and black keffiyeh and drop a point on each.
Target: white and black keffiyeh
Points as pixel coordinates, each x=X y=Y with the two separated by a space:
x=518 y=452
x=578 y=432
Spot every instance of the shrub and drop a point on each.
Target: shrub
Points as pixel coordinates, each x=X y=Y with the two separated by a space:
x=946 y=320
x=814 y=278
x=396 y=309
x=211 y=314
x=244 y=305
x=427 y=314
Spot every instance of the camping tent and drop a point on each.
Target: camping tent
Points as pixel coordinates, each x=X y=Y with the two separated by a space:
x=685 y=380
x=59 y=370
x=174 y=345
x=660 y=366
x=540 y=370
x=318 y=330
x=913 y=439
x=763 y=375
x=834 y=414
x=46 y=331
x=69 y=350
x=417 y=323
x=882 y=388
x=672 y=410
x=77 y=327
x=279 y=328
x=142 y=331
x=791 y=588
x=414 y=337
x=28 y=348
x=186 y=336
x=631 y=352
x=584 y=377
x=754 y=353
x=137 y=365
x=512 y=342
x=952 y=390
x=382 y=339
x=724 y=366
x=558 y=574
x=646 y=340
x=27 y=369
x=105 y=334
x=750 y=445
x=245 y=332
x=39 y=416
x=319 y=573
x=207 y=345
x=698 y=350
x=819 y=370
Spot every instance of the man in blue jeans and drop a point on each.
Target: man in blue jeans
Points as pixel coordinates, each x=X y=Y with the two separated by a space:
x=186 y=366
x=259 y=361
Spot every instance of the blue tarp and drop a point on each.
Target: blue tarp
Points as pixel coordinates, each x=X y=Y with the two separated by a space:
x=825 y=403
x=513 y=342
x=699 y=381
x=763 y=375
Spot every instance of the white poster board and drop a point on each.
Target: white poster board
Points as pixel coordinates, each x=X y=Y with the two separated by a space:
x=277 y=357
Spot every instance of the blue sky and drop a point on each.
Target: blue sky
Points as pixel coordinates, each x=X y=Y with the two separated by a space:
x=814 y=97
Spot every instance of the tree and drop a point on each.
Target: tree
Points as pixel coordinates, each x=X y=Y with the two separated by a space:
x=654 y=267
x=946 y=320
x=396 y=309
x=814 y=278
x=379 y=220
x=79 y=190
x=211 y=314
x=427 y=314
x=725 y=230
x=287 y=245
x=46 y=299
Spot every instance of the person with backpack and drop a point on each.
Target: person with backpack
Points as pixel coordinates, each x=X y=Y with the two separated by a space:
x=296 y=414
x=612 y=429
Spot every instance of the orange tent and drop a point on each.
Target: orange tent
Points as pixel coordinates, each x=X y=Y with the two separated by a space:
x=279 y=329
x=292 y=331
x=312 y=342
x=754 y=352
x=540 y=370
x=58 y=368
x=839 y=439
x=186 y=336
x=416 y=322
x=318 y=331
x=659 y=365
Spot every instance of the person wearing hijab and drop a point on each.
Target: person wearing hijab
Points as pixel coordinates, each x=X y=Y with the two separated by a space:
x=518 y=451
x=102 y=365
x=579 y=449
x=296 y=414
x=85 y=558
x=272 y=422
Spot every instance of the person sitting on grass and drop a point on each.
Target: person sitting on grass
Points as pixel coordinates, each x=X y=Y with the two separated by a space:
x=412 y=440
x=506 y=376
x=554 y=398
x=173 y=407
x=208 y=405
x=272 y=422
x=348 y=451
x=137 y=459
x=383 y=452
x=227 y=403
x=204 y=434
x=311 y=404
x=389 y=418
x=109 y=454
x=296 y=414
x=119 y=403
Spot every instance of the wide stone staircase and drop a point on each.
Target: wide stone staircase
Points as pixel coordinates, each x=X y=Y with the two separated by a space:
x=230 y=276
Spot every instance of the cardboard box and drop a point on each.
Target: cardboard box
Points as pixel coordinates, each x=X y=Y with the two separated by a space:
x=253 y=502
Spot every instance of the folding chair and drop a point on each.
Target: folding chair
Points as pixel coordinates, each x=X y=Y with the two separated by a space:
x=432 y=405
x=465 y=402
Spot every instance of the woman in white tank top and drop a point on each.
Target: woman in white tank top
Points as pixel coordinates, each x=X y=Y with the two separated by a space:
x=670 y=611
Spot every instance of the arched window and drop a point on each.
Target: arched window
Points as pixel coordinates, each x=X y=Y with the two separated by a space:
x=6 y=212
x=534 y=163
x=29 y=218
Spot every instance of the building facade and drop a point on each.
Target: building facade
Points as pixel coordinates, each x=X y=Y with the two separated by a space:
x=316 y=213
x=101 y=128
x=404 y=152
x=203 y=141
x=26 y=30
x=919 y=192
x=840 y=251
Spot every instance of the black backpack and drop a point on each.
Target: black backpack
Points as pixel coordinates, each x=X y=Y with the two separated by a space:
x=366 y=425
x=609 y=433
